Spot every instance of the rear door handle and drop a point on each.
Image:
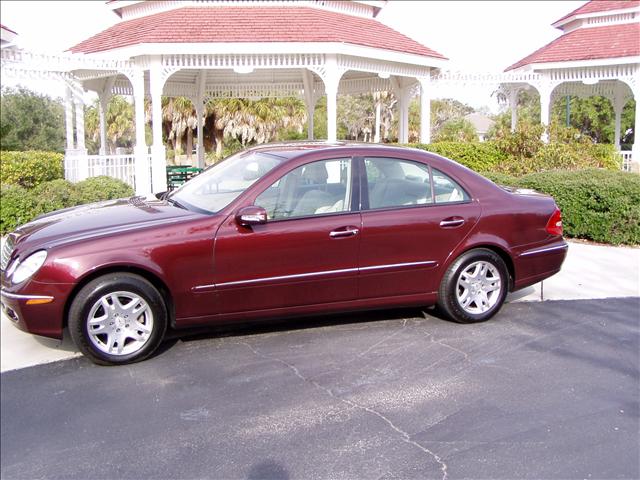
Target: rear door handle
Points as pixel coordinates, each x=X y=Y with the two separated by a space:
x=452 y=222
x=345 y=232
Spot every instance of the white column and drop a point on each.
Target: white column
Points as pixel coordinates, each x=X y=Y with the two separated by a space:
x=513 y=103
x=309 y=100
x=141 y=151
x=618 y=106
x=376 y=137
x=403 y=94
x=545 y=110
x=425 y=110
x=158 y=153
x=635 y=150
x=103 y=102
x=80 y=124
x=81 y=151
x=404 y=115
x=68 y=116
x=199 y=104
x=331 y=79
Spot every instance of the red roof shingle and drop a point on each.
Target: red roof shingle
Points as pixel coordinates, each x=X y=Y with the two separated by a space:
x=601 y=6
x=252 y=24
x=613 y=41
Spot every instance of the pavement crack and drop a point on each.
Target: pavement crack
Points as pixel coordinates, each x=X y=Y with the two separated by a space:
x=387 y=337
x=404 y=436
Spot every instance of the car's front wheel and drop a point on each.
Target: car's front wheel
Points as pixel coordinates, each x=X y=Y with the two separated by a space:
x=118 y=318
x=474 y=287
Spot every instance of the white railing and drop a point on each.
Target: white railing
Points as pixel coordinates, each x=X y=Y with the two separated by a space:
x=79 y=167
x=626 y=160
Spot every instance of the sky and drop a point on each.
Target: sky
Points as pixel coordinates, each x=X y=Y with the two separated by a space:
x=481 y=36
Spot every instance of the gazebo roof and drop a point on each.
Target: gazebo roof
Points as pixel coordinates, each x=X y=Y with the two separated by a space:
x=248 y=24
x=612 y=41
x=597 y=6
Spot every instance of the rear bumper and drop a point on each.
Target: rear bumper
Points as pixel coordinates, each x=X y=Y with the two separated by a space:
x=538 y=263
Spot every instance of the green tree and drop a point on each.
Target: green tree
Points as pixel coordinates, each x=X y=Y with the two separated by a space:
x=120 y=125
x=29 y=121
x=456 y=130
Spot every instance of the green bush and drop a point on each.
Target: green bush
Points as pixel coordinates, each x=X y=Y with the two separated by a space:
x=19 y=205
x=30 y=168
x=100 y=188
x=54 y=195
x=563 y=156
x=598 y=205
x=481 y=157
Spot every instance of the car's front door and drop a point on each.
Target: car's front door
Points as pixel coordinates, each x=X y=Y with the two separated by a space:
x=305 y=254
x=413 y=217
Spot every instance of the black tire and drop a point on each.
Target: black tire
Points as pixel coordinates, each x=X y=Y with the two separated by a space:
x=448 y=301
x=127 y=286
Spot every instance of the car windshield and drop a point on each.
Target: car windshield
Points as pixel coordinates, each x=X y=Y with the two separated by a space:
x=218 y=186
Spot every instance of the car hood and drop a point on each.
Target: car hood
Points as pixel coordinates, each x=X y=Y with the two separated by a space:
x=96 y=219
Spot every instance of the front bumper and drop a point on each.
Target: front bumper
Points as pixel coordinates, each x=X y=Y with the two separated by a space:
x=35 y=311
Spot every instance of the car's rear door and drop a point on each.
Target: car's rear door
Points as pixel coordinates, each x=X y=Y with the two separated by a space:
x=413 y=217
x=306 y=253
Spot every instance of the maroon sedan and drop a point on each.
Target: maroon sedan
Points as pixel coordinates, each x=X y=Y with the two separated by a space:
x=280 y=230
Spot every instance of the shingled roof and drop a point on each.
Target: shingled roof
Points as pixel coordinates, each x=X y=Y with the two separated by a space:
x=612 y=41
x=230 y=24
x=596 y=6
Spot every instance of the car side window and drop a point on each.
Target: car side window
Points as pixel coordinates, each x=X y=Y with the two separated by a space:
x=313 y=189
x=397 y=183
x=446 y=189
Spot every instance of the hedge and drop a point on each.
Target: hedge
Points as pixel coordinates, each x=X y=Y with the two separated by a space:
x=492 y=157
x=19 y=205
x=481 y=157
x=31 y=168
x=598 y=205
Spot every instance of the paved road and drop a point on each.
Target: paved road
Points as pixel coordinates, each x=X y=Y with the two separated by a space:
x=546 y=390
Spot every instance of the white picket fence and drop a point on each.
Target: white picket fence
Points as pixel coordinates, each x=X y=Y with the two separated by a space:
x=626 y=160
x=122 y=167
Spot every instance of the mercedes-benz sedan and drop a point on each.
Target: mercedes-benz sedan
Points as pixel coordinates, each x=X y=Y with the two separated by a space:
x=275 y=231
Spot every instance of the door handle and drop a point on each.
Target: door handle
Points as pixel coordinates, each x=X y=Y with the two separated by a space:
x=452 y=222
x=347 y=232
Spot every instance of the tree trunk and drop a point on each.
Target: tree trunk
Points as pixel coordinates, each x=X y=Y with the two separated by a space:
x=219 y=135
x=189 y=143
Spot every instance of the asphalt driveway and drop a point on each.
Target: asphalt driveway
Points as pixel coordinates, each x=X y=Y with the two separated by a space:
x=545 y=390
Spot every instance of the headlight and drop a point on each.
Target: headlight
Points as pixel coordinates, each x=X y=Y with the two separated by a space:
x=28 y=267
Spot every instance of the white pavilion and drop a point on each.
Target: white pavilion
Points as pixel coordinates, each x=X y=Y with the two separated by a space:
x=204 y=49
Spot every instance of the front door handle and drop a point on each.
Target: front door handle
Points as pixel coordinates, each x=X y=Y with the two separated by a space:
x=452 y=222
x=344 y=232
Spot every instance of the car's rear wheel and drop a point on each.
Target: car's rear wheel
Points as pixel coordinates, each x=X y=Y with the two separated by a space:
x=118 y=318
x=474 y=287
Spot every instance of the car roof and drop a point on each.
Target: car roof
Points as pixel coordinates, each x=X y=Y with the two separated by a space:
x=296 y=148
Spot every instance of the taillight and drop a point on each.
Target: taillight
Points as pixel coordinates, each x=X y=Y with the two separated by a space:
x=554 y=225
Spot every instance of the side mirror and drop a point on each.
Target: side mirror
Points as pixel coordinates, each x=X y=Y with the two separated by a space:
x=251 y=215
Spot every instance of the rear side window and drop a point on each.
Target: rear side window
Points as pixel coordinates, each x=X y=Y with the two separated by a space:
x=397 y=183
x=446 y=189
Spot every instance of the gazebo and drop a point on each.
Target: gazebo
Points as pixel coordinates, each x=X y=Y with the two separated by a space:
x=598 y=53
x=204 y=49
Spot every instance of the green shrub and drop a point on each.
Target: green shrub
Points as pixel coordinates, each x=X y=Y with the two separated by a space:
x=481 y=157
x=100 y=188
x=501 y=178
x=598 y=205
x=55 y=195
x=17 y=205
x=30 y=168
